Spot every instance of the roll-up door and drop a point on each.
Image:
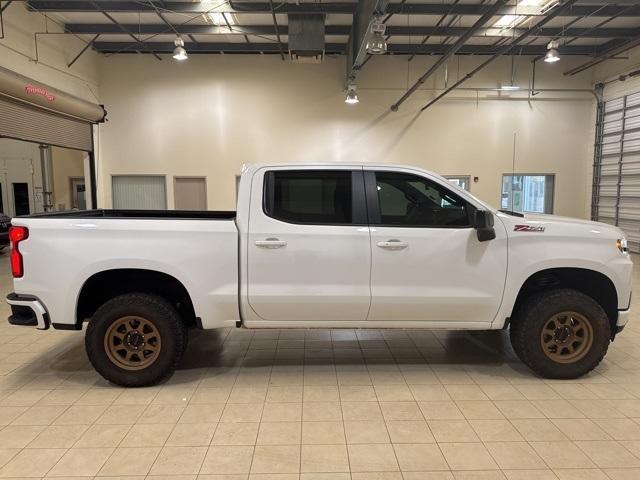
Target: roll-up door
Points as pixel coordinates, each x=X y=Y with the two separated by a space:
x=617 y=167
x=35 y=112
x=35 y=125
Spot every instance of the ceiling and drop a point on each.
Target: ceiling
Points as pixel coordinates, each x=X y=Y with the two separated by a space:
x=412 y=27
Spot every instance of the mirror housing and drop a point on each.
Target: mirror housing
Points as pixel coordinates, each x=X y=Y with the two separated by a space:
x=483 y=223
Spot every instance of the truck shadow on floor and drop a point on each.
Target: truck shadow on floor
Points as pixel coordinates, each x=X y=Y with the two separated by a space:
x=218 y=349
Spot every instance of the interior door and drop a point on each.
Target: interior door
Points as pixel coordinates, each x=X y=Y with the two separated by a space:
x=427 y=262
x=78 y=198
x=22 y=186
x=190 y=193
x=309 y=254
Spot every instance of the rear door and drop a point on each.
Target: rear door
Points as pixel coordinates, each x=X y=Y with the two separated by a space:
x=427 y=262
x=309 y=253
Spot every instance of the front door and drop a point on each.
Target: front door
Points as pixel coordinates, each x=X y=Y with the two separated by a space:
x=427 y=262
x=309 y=254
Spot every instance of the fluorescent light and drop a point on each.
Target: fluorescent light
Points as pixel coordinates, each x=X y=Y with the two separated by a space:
x=509 y=88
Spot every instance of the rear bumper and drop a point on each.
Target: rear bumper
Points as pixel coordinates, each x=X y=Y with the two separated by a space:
x=27 y=311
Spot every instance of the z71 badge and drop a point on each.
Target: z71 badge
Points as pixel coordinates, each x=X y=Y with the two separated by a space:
x=528 y=228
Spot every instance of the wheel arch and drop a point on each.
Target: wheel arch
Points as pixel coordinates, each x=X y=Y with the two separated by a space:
x=107 y=284
x=592 y=283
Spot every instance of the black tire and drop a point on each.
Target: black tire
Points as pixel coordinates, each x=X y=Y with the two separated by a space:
x=526 y=330
x=158 y=314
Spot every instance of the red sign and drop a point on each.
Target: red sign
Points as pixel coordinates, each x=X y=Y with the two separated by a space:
x=34 y=90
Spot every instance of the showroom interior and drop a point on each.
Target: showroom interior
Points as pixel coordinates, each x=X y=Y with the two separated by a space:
x=154 y=105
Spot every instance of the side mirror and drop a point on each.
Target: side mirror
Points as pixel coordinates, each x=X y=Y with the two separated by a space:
x=483 y=223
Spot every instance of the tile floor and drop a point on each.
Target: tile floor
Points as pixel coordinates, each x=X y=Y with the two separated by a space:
x=312 y=405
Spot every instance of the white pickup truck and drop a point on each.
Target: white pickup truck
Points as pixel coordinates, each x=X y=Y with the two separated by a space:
x=322 y=246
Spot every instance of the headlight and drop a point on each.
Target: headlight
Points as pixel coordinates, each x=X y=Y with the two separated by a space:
x=621 y=243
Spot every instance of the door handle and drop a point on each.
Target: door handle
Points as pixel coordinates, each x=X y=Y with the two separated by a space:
x=393 y=244
x=271 y=243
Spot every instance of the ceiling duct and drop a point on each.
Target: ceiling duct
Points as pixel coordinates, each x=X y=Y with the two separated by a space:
x=306 y=37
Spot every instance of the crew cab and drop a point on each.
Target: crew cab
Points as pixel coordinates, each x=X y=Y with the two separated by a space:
x=322 y=246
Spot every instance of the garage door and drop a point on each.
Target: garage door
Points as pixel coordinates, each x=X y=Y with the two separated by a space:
x=38 y=113
x=617 y=166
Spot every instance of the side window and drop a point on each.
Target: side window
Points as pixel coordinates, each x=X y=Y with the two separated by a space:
x=411 y=201
x=309 y=197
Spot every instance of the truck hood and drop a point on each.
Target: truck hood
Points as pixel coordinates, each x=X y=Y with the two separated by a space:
x=557 y=225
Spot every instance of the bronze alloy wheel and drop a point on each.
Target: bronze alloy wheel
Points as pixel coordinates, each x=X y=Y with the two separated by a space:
x=132 y=343
x=566 y=337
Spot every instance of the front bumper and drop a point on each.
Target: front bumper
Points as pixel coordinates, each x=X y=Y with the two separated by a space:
x=27 y=311
x=623 y=318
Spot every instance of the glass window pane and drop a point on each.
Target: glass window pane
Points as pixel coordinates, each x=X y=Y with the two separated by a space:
x=527 y=193
x=315 y=197
x=408 y=200
x=462 y=181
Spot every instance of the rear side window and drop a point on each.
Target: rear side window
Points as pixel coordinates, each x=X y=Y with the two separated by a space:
x=412 y=201
x=309 y=197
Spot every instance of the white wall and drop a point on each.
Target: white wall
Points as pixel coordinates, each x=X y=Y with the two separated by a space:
x=211 y=114
x=54 y=52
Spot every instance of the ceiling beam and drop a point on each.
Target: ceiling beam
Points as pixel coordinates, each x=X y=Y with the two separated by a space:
x=332 y=48
x=595 y=9
x=609 y=51
x=189 y=29
x=507 y=49
x=364 y=17
x=451 y=50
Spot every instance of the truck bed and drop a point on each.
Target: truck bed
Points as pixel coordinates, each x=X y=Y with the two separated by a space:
x=69 y=248
x=139 y=214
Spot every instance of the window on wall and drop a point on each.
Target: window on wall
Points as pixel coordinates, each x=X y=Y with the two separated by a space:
x=528 y=193
x=462 y=181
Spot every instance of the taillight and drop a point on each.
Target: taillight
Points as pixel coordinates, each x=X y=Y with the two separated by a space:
x=16 y=235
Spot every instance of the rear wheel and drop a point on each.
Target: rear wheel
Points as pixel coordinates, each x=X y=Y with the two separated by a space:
x=560 y=333
x=136 y=339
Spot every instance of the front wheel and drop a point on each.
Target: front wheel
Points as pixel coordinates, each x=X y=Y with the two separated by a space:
x=560 y=333
x=136 y=339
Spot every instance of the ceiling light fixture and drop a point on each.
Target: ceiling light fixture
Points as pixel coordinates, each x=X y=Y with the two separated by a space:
x=352 y=95
x=179 y=53
x=377 y=45
x=552 y=54
x=509 y=88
